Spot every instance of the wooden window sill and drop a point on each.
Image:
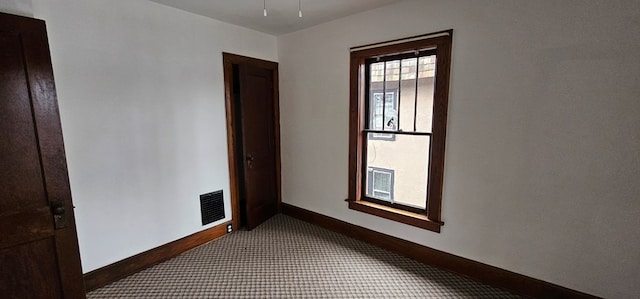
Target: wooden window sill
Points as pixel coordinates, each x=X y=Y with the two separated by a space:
x=402 y=216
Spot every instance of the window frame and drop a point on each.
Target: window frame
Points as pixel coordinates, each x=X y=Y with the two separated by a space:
x=441 y=42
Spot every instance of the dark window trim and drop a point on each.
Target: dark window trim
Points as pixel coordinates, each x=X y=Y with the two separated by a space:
x=431 y=218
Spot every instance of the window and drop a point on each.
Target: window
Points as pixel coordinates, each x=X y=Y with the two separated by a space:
x=399 y=92
x=380 y=183
x=383 y=114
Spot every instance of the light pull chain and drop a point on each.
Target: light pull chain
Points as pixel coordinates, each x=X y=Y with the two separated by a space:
x=264 y=8
x=264 y=5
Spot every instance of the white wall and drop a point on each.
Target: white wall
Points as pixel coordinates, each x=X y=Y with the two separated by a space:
x=542 y=166
x=17 y=7
x=141 y=96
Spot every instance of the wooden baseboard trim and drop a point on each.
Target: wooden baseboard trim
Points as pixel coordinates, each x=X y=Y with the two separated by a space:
x=477 y=271
x=118 y=270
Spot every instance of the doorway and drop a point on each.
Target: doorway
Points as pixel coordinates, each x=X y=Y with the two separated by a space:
x=253 y=138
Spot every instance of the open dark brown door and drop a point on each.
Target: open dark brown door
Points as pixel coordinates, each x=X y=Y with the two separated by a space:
x=259 y=143
x=39 y=255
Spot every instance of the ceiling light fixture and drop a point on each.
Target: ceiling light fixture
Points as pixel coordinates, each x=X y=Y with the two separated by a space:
x=299 y=8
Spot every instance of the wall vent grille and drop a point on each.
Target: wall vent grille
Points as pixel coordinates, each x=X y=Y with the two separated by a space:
x=212 y=207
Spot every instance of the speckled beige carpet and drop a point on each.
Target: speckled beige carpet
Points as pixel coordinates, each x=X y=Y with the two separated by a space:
x=288 y=258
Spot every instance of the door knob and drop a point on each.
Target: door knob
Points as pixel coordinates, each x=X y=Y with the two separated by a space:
x=58 y=210
x=249 y=159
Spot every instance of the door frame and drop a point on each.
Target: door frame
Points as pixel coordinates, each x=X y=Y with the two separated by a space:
x=229 y=60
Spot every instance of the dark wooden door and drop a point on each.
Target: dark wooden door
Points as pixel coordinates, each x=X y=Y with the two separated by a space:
x=259 y=147
x=38 y=259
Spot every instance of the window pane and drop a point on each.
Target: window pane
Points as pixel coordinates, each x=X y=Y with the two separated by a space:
x=380 y=108
x=383 y=111
x=398 y=79
x=377 y=71
x=408 y=157
x=425 y=93
x=407 y=93
x=381 y=181
x=376 y=111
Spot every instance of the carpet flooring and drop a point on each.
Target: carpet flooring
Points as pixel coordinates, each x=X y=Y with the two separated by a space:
x=288 y=258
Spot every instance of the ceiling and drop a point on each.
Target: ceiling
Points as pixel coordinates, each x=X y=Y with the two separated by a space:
x=282 y=15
